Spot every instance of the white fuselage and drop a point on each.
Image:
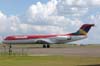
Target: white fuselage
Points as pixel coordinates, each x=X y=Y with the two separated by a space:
x=50 y=40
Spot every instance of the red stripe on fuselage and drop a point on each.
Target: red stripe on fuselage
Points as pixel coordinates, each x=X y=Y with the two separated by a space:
x=28 y=37
x=23 y=37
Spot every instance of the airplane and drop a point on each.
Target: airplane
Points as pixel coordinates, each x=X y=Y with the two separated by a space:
x=47 y=40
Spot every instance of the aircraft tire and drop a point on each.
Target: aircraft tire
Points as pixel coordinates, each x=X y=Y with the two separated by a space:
x=44 y=46
x=48 y=46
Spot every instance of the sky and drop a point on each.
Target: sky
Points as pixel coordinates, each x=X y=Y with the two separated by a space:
x=24 y=17
x=14 y=7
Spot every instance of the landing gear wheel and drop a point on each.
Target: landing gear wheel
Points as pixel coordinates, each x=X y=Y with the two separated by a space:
x=48 y=46
x=44 y=46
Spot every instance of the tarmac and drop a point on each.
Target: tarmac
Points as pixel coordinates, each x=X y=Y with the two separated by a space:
x=66 y=51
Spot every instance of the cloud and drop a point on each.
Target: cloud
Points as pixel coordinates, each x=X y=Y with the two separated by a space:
x=81 y=2
x=40 y=10
x=14 y=22
x=3 y=19
x=8 y=24
x=48 y=15
x=96 y=2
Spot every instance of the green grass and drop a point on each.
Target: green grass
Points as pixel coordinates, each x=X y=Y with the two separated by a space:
x=47 y=60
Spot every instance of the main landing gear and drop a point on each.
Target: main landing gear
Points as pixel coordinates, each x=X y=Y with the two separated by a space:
x=46 y=46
